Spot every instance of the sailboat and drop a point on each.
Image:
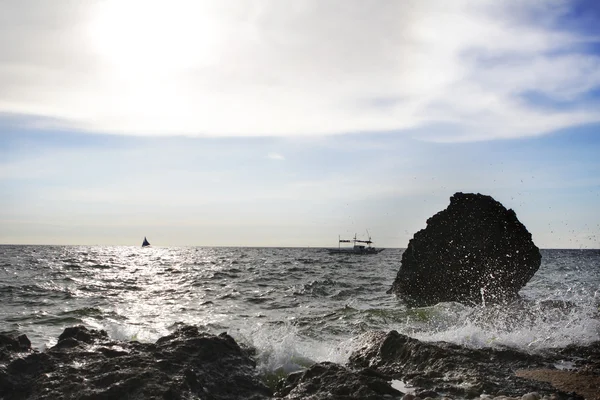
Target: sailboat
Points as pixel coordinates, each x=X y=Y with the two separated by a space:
x=145 y=243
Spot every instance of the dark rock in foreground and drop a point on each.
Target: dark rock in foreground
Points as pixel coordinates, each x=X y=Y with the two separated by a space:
x=442 y=370
x=11 y=347
x=445 y=369
x=188 y=364
x=85 y=364
x=332 y=381
x=474 y=251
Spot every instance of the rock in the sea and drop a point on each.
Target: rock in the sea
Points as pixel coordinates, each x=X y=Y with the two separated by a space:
x=86 y=364
x=474 y=251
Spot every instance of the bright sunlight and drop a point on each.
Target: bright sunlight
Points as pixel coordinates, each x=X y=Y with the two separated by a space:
x=155 y=37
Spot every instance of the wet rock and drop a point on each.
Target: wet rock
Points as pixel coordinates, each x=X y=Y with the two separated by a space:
x=81 y=334
x=474 y=251
x=590 y=355
x=10 y=346
x=332 y=381
x=86 y=364
x=427 y=393
x=449 y=369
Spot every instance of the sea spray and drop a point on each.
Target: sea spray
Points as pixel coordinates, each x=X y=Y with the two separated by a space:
x=524 y=325
x=282 y=349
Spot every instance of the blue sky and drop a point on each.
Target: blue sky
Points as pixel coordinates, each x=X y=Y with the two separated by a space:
x=254 y=124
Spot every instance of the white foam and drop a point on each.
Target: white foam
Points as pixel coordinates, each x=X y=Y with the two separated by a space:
x=527 y=328
x=401 y=386
x=126 y=332
x=282 y=349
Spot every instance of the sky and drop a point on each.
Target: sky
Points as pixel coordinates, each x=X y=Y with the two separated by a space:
x=272 y=123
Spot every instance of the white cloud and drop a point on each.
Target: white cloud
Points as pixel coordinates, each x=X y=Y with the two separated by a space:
x=267 y=67
x=275 y=156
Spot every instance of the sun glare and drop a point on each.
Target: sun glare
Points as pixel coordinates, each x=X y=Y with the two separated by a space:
x=134 y=36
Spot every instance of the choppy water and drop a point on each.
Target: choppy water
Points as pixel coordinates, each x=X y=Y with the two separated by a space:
x=295 y=305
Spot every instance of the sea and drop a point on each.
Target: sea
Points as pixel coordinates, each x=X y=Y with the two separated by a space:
x=295 y=306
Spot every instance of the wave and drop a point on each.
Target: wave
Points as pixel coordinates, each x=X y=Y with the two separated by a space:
x=526 y=325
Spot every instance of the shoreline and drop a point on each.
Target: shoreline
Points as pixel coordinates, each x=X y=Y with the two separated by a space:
x=86 y=361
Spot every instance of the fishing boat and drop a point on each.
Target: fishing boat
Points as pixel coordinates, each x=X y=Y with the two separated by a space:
x=358 y=246
x=145 y=243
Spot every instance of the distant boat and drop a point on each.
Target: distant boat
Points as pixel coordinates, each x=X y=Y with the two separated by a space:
x=145 y=243
x=358 y=247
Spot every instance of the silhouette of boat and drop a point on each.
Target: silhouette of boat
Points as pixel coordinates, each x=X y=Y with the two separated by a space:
x=358 y=246
x=145 y=243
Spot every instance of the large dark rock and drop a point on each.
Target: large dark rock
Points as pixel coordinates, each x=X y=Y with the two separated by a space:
x=85 y=364
x=445 y=369
x=474 y=251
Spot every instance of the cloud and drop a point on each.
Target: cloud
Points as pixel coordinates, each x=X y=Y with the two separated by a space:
x=275 y=156
x=443 y=71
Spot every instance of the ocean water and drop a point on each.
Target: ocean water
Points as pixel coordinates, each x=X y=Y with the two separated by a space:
x=294 y=305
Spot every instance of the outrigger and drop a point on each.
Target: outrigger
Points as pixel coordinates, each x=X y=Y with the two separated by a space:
x=359 y=246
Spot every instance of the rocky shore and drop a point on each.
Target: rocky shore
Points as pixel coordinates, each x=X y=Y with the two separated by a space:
x=189 y=364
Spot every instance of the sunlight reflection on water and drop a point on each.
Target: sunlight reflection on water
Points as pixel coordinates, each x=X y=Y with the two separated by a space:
x=292 y=303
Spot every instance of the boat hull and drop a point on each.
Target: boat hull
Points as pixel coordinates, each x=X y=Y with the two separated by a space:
x=355 y=251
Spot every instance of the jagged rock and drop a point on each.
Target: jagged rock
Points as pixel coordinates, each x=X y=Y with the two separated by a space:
x=81 y=334
x=11 y=346
x=451 y=369
x=474 y=251
x=332 y=381
x=86 y=364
